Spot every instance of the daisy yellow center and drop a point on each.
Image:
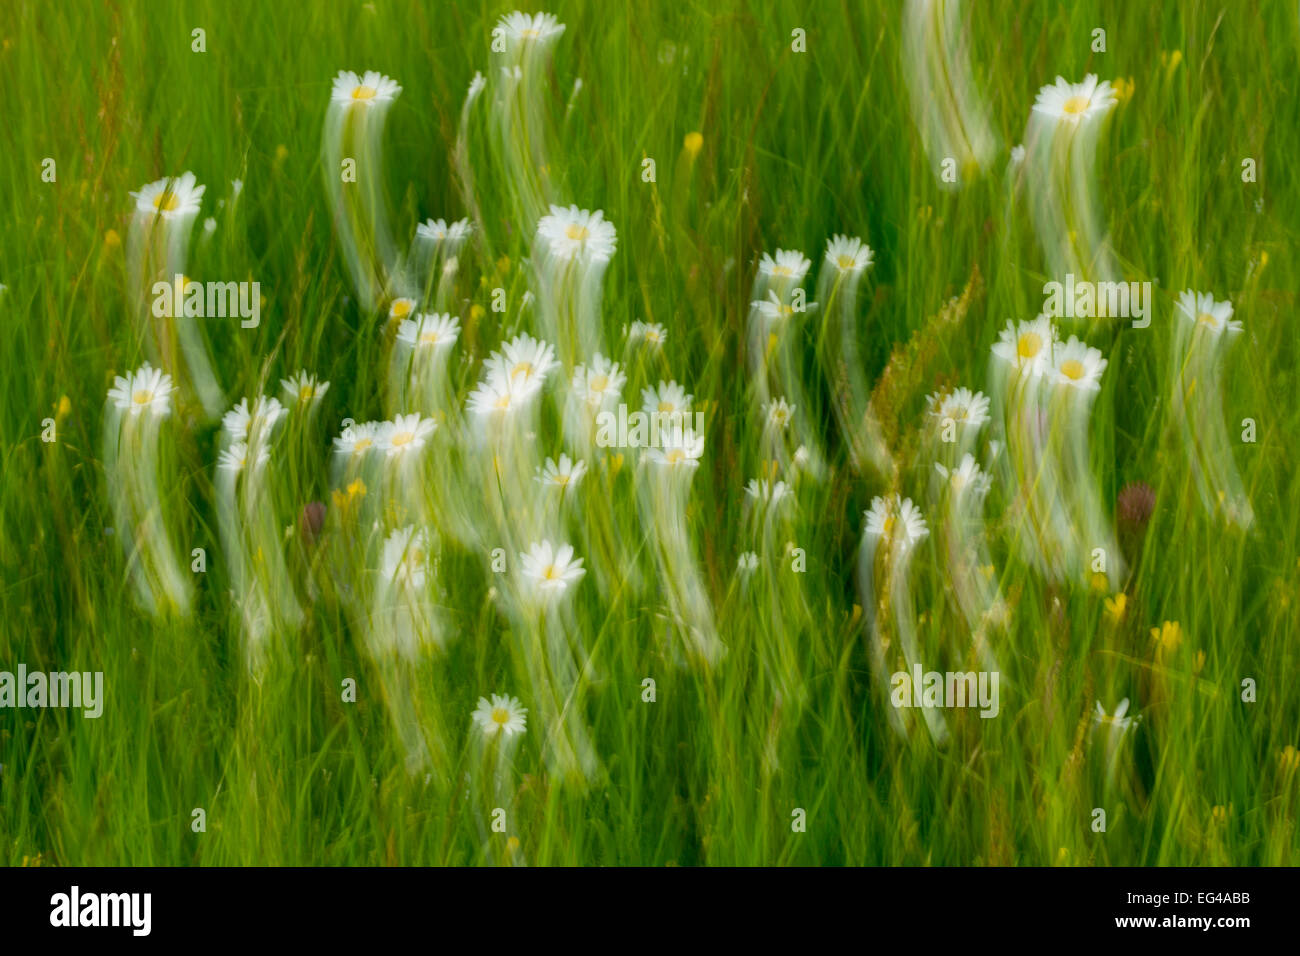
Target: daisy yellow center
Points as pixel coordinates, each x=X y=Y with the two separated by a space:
x=364 y=93
x=142 y=397
x=576 y=232
x=1029 y=345
x=1207 y=319
x=166 y=202
x=599 y=383
x=561 y=479
x=522 y=368
x=1072 y=369
x=401 y=438
x=846 y=261
x=530 y=33
x=362 y=444
x=503 y=401
x=888 y=524
x=429 y=338
x=781 y=271
x=652 y=336
x=550 y=574
x=675 y=456
x=401 y=307
x=305 y=393
x=667 y=407
x=500 y=716
x=1075 y=105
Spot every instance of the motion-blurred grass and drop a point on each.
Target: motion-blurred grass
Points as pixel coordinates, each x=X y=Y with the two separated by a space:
x=796 y=146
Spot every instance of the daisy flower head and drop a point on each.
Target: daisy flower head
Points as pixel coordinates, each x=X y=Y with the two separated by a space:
x=778 y=414
x=1075 y=102
x=551 y=570
x=600 y=381
x=763 y=492
x=303 y=388
x=146 y=390
x=562 y=476
x=244 y=424
x=1027 y=346
x=961 y=405
x=438 y=232
x=895 y=520
x=1076 y=365
x=967 y=476
x=680 y=448
x=429 y=331
x=372 y=87
x=789 y=266
x=848 y=254
x=1116 y=721
x=667 y=399
x=357 y=439
x=501 y=715
x=523 y=362
x=405 y=433
x=170 y=198
x=1203 y=311
x=237 y=457
x=747 y=564
x=575 y=233
x=772 y=309
x=652 y=333
x=400 y=308
x=406 y=557
x=521 y=29
x=496 y=395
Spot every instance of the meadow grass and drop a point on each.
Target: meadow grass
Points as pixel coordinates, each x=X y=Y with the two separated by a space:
x=795 y=146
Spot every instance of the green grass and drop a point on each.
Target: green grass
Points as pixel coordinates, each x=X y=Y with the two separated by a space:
x=795 y=147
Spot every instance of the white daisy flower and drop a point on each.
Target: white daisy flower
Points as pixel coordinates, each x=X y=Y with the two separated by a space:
x=848 y=254
x=1027 y=345
x=495 y=395
x=405 y=559
x=522 y=362
x=681 y=447
x=596 y=384
x=147 y=389
x=577 y=233
x=1117 y=721
x=405 y=433
x=303 y=388
x=1075 y=102
x=772 y=309
x=965 y=477
x=520 y=28
x=789 y=264
x=1017 y=155
x=401 y=308
x=666 y=398
x=1077 y=365
x=357 y=439
x=373 y=87
x=501 y=715
x=438 y=231
x=429 y=331
x=778 y=414
x=961 y=405
x=1202 y=309
x=243 y=424
x=890 y=517
x=767 y=493
x=236 y=457
x=171 y=197
x=551 y=569
x=652 y=333
x=747 y=563
x=564 y=475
